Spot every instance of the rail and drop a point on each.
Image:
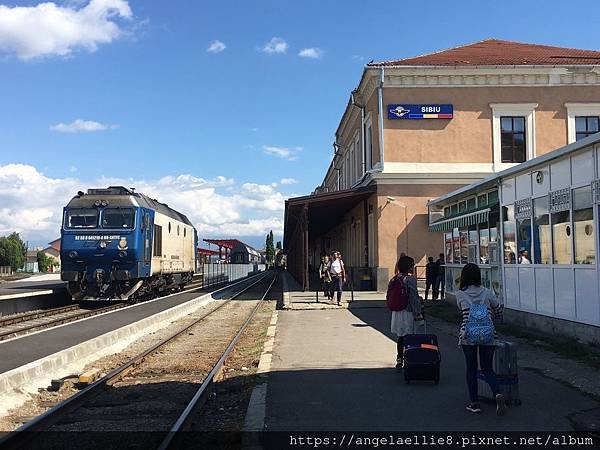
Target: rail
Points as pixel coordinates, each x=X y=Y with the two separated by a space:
x=22 y=436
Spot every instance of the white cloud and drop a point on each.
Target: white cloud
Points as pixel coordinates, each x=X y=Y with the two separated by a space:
x=47 y=29
x=313 y=52
x=81 y=126
x=216 y=47
x=73 y=169
x=31 y=202
x=276 y=45
x=289 y=181
x=282 y=152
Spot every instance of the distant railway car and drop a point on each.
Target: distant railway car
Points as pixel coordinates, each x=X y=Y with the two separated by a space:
x=117 y=243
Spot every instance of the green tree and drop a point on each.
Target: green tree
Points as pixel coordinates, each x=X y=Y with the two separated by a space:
x=269 y=248
x=278 y=246
x=13 y=251
x=45 y=261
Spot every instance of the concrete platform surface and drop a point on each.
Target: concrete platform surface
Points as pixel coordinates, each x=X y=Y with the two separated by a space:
x=30 y=287
x=334 y=370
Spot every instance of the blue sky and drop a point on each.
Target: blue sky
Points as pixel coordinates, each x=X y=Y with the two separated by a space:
x=163 y=106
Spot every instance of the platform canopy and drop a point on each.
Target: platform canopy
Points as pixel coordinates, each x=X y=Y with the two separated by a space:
x=225 y=243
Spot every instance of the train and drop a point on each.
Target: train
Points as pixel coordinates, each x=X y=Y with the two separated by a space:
x=121 y=244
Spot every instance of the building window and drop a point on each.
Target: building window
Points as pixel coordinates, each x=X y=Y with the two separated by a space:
x=455 y=209
x=513 y=133
x=482 y=200
x=561 y=237
x=583 y=226
x=512 y=130
x=494 y=219
x=471 y=204
x=541 y=231
x=586 y=126
x=462 y=207
x=524 y=240
x=509 y=232
x=464 y=245
x=578 y=125
x=446 y=211
x=473 y=243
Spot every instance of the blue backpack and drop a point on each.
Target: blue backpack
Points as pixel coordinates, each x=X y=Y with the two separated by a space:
x=479 y=329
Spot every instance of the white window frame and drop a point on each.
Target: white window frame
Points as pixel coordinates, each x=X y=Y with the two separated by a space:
x=576 y=110
x=359 y=156
x=499 y=110
x=369 y=141
x=347 y=174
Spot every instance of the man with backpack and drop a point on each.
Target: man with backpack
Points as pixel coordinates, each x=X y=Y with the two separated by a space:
x=404 y=302
x=478 y=335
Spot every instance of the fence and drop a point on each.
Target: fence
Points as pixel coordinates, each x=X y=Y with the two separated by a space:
x=6 y=271
x=213 y=274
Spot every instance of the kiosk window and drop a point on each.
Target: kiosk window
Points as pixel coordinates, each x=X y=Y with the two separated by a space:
x=561 y=237
x=509 y=231
x=541 y=231
x=583 y=226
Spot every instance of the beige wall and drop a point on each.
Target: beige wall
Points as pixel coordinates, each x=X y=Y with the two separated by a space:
x=402 y=226
x=468 y=136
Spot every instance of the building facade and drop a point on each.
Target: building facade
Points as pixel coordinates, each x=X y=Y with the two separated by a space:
x=417 y=128
x=533 y=231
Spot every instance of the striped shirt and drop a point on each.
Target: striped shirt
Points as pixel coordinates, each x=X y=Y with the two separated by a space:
x=476 y=294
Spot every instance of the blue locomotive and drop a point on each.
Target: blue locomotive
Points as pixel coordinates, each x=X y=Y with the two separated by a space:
x=121 y=244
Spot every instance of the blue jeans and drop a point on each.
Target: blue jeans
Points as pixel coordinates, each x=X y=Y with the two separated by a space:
x=486 y=356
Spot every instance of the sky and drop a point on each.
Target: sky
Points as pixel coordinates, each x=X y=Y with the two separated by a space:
x=220 y=109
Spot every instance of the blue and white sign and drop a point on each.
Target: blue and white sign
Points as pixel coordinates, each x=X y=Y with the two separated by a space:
x=406 y=111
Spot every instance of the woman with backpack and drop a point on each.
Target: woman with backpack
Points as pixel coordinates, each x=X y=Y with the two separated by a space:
x=404 y=302
x=478 y=335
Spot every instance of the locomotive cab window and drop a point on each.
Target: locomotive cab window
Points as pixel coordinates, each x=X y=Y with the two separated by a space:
x=118 y=218
x=81 y=218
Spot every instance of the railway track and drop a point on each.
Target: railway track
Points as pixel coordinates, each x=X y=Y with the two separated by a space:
x=143 y=367
x=21 y=324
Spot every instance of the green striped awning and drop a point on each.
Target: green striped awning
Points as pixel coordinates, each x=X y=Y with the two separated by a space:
x=464 y=220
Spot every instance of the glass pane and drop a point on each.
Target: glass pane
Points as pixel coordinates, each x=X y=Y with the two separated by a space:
x=583 y=227
x=471 y=204
x=507 y=154
x=455 y=209
x=482 y=200
x=541 y=231
x=447 y=211
x=456 y=243
x=509 y=231
x=462 y=206
x=492 y=197
x=506 y=124
x=473 y=240
x=582 y=197
x=464 y=246
x=484 y=244
x=580 y=136
x=519 y=148
x=580 y=124
x=592 y=124
x=561 y=237
x=524 y=240
x=82 y=218
x=519 y=123
x=448 y=247
x=118 y=218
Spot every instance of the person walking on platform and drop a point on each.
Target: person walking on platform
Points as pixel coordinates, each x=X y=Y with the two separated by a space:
x=403 y=320
x=337 y=271
x=431 y=273
x=440 y=282
x=477 y=334
x=325 y=277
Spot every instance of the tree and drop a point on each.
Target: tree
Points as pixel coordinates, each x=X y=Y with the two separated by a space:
x=278 y=246
x=13 y=251
x=269 y=248
x=45 y=262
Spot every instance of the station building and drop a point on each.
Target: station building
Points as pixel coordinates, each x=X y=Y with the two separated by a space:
x=532 y=229
x=417 y=128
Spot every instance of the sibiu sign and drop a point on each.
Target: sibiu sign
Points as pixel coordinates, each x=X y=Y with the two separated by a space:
x=420 y=111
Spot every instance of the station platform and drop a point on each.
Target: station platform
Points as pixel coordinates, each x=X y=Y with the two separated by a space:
x=32 y=294
x=333 y=370
x=16 y=289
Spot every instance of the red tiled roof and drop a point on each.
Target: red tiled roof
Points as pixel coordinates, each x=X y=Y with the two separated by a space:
x=207 y=251
x=227 y=243
x=55 y=244
x=492 y=52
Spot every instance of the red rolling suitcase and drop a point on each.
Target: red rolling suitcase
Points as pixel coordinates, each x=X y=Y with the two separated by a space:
x=421 y=357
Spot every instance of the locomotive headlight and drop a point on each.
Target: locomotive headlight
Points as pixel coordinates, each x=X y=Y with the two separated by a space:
x=102 y=244
x=123 y=244
x=73 y=254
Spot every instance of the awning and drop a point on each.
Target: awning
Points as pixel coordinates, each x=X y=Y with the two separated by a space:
x=464 y=220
